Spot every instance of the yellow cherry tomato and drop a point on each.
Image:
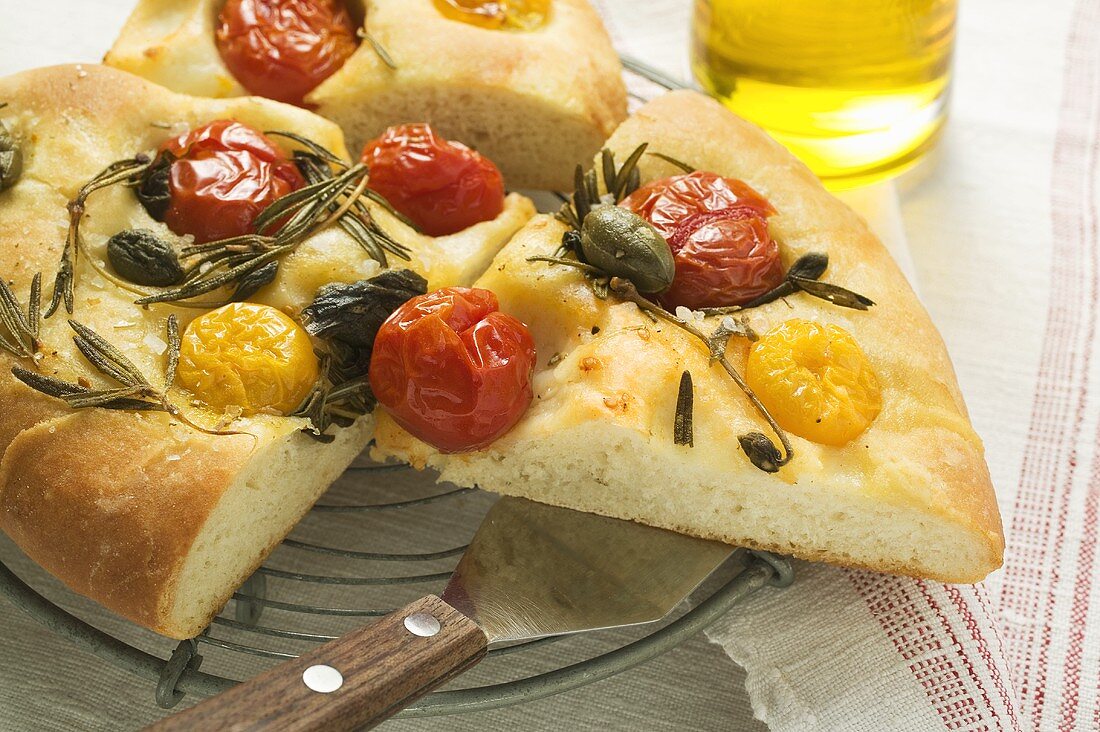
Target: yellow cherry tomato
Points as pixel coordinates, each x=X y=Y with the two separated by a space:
x=516 y=14
x=248 y=356
x=815 y=380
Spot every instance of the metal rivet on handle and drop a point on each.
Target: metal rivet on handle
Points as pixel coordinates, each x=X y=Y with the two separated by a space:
x=322 y=679
x=422 y=624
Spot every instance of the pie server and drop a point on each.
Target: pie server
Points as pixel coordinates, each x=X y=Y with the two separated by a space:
x=531 y=571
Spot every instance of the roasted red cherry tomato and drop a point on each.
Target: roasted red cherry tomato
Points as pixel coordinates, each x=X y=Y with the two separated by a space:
x=282 y=49
x=225 y=174
x=442 y=186
x=718 y=231
x=452 y=369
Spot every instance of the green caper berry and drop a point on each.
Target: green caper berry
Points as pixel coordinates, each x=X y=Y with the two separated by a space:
x=142 y=257
x=623 y=244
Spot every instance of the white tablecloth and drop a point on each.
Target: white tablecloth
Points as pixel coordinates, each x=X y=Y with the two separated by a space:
x=1002 y=230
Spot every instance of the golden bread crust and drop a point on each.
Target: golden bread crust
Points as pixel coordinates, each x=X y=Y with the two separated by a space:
x=121 y=519
x=97 y=497
x=552 y=94
x=920 y=460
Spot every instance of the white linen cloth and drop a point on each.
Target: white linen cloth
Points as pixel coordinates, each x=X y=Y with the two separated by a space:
x=1002 y=229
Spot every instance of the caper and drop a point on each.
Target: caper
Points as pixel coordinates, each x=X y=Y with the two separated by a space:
x=11 y=159
x=623 y=244
x=142 y=257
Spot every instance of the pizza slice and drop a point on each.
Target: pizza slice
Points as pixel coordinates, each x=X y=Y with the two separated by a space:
x=715 y=345
x=533 y=84
x=211 y=273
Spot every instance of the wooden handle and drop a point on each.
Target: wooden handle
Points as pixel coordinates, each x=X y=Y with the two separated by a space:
x=379 y=670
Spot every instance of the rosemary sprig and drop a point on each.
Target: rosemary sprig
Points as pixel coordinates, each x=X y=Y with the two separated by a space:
x=21 y=338
x=116 y=172
x=135 y=393
x=673 y=161
x=334 y=400
x=683 y=431
x=335 y=192
x=759 y=448
x=619 y=182
x=803 y=276
x=378 y=48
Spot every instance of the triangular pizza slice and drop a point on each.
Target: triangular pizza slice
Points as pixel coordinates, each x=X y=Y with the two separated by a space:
x=849 y=441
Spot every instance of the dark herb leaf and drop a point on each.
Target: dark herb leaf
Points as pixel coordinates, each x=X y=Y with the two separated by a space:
x=354 y=313
x=581 y=202
x=592 y=184
x=683 y=430
x=633 y=182
x=151 y=186
x=34 y=306
x=809 y=266
x=173 y=332
x=335 y=399
x=314 y=149
x=673 y=161
x=105 y=357
x=378 y=48
x=571 y=244
x=65 y=280
x=761 y=451
x=47 y=384
x=254 y=281
x=628 y=177
x=142 y=257
x=835 y=294
x=22 y=328
x=610 y=176
x=588 y=269
x=783 y=289
x=79 y=397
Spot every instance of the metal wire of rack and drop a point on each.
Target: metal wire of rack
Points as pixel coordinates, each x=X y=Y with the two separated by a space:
x=311 y=590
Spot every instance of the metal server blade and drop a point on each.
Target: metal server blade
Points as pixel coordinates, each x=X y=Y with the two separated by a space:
x=535 y=570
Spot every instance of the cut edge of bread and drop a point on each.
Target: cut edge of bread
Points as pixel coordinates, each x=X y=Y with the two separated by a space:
x=535 y=144
x=266 y=500
x=614 y=471
x=167 y=522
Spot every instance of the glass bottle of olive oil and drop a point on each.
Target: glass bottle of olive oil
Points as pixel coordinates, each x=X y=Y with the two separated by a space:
x=857 y=89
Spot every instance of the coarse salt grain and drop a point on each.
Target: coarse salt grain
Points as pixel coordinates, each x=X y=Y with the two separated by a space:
x=155 y=344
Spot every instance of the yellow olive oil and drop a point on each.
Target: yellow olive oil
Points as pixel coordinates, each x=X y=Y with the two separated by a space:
x=857 y=89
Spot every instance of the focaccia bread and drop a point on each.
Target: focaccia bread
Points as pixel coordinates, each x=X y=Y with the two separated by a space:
x=911 y=494
x=535 y=102
x=156 y=520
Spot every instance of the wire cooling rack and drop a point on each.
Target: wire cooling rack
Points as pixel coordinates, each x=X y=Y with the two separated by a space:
x=314 y=587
